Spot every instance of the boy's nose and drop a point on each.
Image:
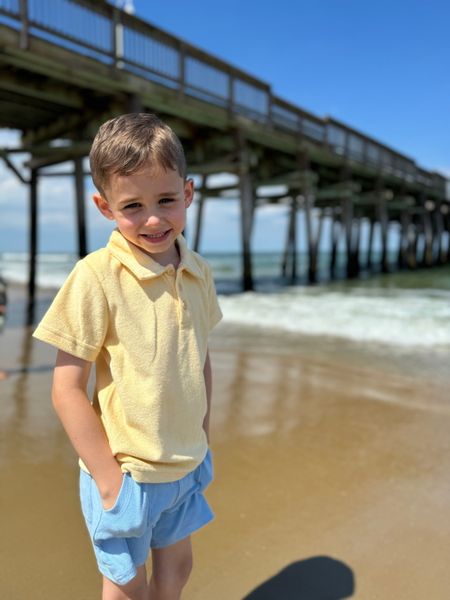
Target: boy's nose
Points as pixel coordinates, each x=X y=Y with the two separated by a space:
x=153 y=219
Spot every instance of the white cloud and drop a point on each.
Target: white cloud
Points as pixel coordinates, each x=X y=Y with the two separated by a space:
x=271 y=190
x=9 y=138
x=273 y=209
x=221 y=180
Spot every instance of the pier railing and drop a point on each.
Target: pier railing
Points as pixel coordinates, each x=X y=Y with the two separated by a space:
x=99 y=30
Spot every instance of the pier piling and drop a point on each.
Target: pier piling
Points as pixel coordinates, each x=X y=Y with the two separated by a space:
x=335 y=231
x=80 y=206
x=33 y=243
x=427 y=257
x=200 y=209
x=383 y=219
x=247 y=203
x=289 y=267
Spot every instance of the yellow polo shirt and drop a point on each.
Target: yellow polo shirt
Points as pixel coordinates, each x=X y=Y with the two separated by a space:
x=146 y=327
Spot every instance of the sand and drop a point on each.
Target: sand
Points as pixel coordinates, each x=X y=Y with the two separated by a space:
x=332 y=475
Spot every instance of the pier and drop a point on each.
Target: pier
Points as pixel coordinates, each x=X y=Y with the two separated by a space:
x=66 y=66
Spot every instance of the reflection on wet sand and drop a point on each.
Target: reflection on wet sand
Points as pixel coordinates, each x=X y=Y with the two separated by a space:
x=331 y=466
x=321 y=453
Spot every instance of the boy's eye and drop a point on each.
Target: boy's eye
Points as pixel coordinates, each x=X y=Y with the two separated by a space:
x=131 y=205
x=166 y=200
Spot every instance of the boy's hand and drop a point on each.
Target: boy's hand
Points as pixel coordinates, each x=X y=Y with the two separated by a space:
x=109 y=487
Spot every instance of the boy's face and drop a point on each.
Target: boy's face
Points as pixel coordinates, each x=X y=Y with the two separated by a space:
x=149 y=208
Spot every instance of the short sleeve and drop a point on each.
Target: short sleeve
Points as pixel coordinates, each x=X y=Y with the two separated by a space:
x=215 y=314
x=77 y=319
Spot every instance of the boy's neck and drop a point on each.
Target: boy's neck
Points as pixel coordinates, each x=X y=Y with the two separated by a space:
x=173 y=259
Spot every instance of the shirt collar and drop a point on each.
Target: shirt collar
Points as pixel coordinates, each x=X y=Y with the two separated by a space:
x=144 y=266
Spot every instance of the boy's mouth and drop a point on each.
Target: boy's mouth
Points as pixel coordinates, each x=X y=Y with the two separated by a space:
x=156 y=237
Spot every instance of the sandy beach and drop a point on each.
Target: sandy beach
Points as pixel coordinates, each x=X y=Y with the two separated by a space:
x=331 y=459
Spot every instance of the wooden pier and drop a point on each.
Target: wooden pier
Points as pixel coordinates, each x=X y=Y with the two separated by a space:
x=68 y=65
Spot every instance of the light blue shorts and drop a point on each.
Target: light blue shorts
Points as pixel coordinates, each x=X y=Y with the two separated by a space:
x=145 y=516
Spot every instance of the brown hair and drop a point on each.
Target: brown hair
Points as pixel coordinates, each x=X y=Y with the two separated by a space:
x=125 y=144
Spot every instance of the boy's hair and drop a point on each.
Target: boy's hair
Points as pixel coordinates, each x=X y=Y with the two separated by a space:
x=125 y=144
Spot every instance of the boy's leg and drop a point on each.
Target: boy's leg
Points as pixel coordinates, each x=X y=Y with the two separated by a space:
x=171 y=569
x=136 y=589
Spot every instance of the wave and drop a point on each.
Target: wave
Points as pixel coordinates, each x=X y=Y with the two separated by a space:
x=407 y=309
x=413 y=318
x=51 y=272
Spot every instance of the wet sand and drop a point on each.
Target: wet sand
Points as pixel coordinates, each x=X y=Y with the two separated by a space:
x=332 y=470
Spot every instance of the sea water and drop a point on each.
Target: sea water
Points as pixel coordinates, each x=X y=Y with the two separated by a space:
x=394 y=309
x=409 y=309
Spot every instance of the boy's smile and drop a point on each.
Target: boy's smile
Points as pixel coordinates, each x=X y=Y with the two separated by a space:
x=149 y=208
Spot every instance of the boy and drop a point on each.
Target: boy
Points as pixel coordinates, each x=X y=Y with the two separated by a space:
x=141 y=308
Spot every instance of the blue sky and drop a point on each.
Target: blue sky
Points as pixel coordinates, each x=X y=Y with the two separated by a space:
x=381 y=67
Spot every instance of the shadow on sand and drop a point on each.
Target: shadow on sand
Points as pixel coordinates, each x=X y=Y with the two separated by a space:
x=316 y=578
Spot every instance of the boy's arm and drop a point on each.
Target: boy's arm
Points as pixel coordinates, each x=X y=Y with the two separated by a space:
x=83 y=426
x=207 y=374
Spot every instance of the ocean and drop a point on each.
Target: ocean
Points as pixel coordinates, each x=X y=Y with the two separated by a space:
x=404 y=309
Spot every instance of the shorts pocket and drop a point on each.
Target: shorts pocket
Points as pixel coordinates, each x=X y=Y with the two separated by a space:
x=205 y=471
x=115 y=561
x=128 y=516
x=86 y=496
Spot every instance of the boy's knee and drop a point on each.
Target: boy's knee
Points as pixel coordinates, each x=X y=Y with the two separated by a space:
x=184 y=569
x=175 y=578
x=136 y=589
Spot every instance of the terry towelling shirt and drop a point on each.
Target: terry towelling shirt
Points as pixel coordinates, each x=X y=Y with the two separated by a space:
x=146 y=327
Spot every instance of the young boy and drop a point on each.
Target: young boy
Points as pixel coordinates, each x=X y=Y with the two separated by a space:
x=141 y=309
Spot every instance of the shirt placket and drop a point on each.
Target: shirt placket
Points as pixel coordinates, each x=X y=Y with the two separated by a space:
x=179 y=298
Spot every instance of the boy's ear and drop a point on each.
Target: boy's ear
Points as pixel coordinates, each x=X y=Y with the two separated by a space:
x=103 y=206
x=188 y=192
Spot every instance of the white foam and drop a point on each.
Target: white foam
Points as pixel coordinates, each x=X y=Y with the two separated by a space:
x=372 y=313
x=52 y=269
x=415 y=318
